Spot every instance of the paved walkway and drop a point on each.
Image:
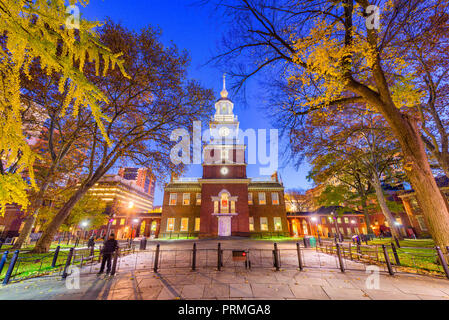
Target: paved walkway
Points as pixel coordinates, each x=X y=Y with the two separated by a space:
x=233 y=283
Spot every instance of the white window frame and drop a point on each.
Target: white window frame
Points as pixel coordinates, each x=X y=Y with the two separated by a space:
x=173 y=224
x=275 y=197
x=277 y=221
x=186 y=199
x=251 y=223
x=264 y=201
x=262 y=220
x=250 y=198
x=173 y=196
x=198 y=199
x=181 y=229
x=197 y=224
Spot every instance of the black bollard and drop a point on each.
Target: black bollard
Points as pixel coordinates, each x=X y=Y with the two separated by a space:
x=67 y=263
x=387 y=260
x=11 y=267
x=3 y=261
x=276 y=257
x=443 y=261
x=340 y=258
x=55 y=256
x=156 y=257
x=194 y=257
x=298 y=249
x=395 y=253
x=114 y=262
x=219 y=257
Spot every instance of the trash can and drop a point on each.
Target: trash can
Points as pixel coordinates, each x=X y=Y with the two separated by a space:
x=143 y=244
x=312 y=242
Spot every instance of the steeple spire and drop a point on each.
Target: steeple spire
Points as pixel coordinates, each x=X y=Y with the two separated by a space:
x=224 y=92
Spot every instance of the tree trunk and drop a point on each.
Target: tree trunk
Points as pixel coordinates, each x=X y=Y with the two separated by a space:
x=31 y=219
x=44 y=243
x=431 y=200
x=366 y=214
x=385 y=210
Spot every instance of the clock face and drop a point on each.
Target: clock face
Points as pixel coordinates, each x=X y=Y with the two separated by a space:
x=224 y=171
x=224 y=131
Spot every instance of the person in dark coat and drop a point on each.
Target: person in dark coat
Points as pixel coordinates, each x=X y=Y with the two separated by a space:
x=91 y=242
x=108 y=250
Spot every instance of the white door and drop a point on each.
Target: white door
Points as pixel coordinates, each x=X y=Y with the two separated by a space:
x=224 y=226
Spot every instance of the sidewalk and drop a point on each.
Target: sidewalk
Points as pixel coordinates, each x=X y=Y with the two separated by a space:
x=255 y=284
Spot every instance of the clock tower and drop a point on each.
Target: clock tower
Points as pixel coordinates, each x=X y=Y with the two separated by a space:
x=224 y=183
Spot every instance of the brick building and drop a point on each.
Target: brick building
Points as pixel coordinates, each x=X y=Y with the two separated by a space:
x=224 y=201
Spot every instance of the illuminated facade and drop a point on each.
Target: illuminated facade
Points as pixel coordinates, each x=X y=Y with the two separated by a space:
x=224 y=201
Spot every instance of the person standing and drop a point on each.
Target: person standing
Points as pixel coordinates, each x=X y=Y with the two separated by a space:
x=91 y=242
x=109 y=247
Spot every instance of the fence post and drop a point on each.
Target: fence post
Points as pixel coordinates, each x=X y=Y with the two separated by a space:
x=55 y=256
x=276 y=257
x=443 y=261
x=395 y=253
x=114 y=262
x=219 y=262
x=3 y=261
x=397 y=242
x=340 y=259
x=387 y=260
x=298 y=249
x=359 y=252
x=350 y=251
x=11 y=267
x=67 y=263
x=194 y=257
x=156 y=257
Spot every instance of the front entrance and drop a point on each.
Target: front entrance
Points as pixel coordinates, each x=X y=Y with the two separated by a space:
x=224 y=226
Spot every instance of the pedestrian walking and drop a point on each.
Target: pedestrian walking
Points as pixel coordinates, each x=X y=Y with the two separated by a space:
x=91 y=242
x=108 y=250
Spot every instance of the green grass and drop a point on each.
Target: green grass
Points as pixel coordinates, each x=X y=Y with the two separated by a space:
x=429 y=243
x=32 y=265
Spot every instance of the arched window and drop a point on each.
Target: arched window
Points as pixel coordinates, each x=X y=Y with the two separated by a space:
x=224 y=203
x=304 y=227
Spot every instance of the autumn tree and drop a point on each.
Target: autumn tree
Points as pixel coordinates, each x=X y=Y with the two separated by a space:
x=355 y=145
x=37 y=30
x=143 y=111
x=336 y=53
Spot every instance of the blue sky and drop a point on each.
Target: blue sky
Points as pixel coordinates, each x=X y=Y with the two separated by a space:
x=197 y=29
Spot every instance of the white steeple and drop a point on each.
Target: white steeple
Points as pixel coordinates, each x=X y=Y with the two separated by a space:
x=224 y=92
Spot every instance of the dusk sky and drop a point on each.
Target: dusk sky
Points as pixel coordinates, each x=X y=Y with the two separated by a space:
x=197 y=29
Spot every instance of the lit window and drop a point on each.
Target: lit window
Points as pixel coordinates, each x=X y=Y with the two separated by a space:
x=250 y=198
x=334 y=230
x=114 y=222
x=338 y=220
x=184 y=225
x=198 y=199
x=342 y=231
x=122 y=222
x=275 y=198
x=277 y=224
x=251 y=223
x=323 y=220
x=262 y=199
x=197 y=224
x=186 y=199
x=349 y=231
x=346 y=220
x=263 y=224
x=224 y=203
x=171 y=224
x=356 y=230
x=215 y=206
x=305 y=230
x=232 y=206
x=364 y=230
x=173 y=198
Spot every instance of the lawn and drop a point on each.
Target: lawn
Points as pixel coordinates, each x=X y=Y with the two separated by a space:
x=31 y=265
